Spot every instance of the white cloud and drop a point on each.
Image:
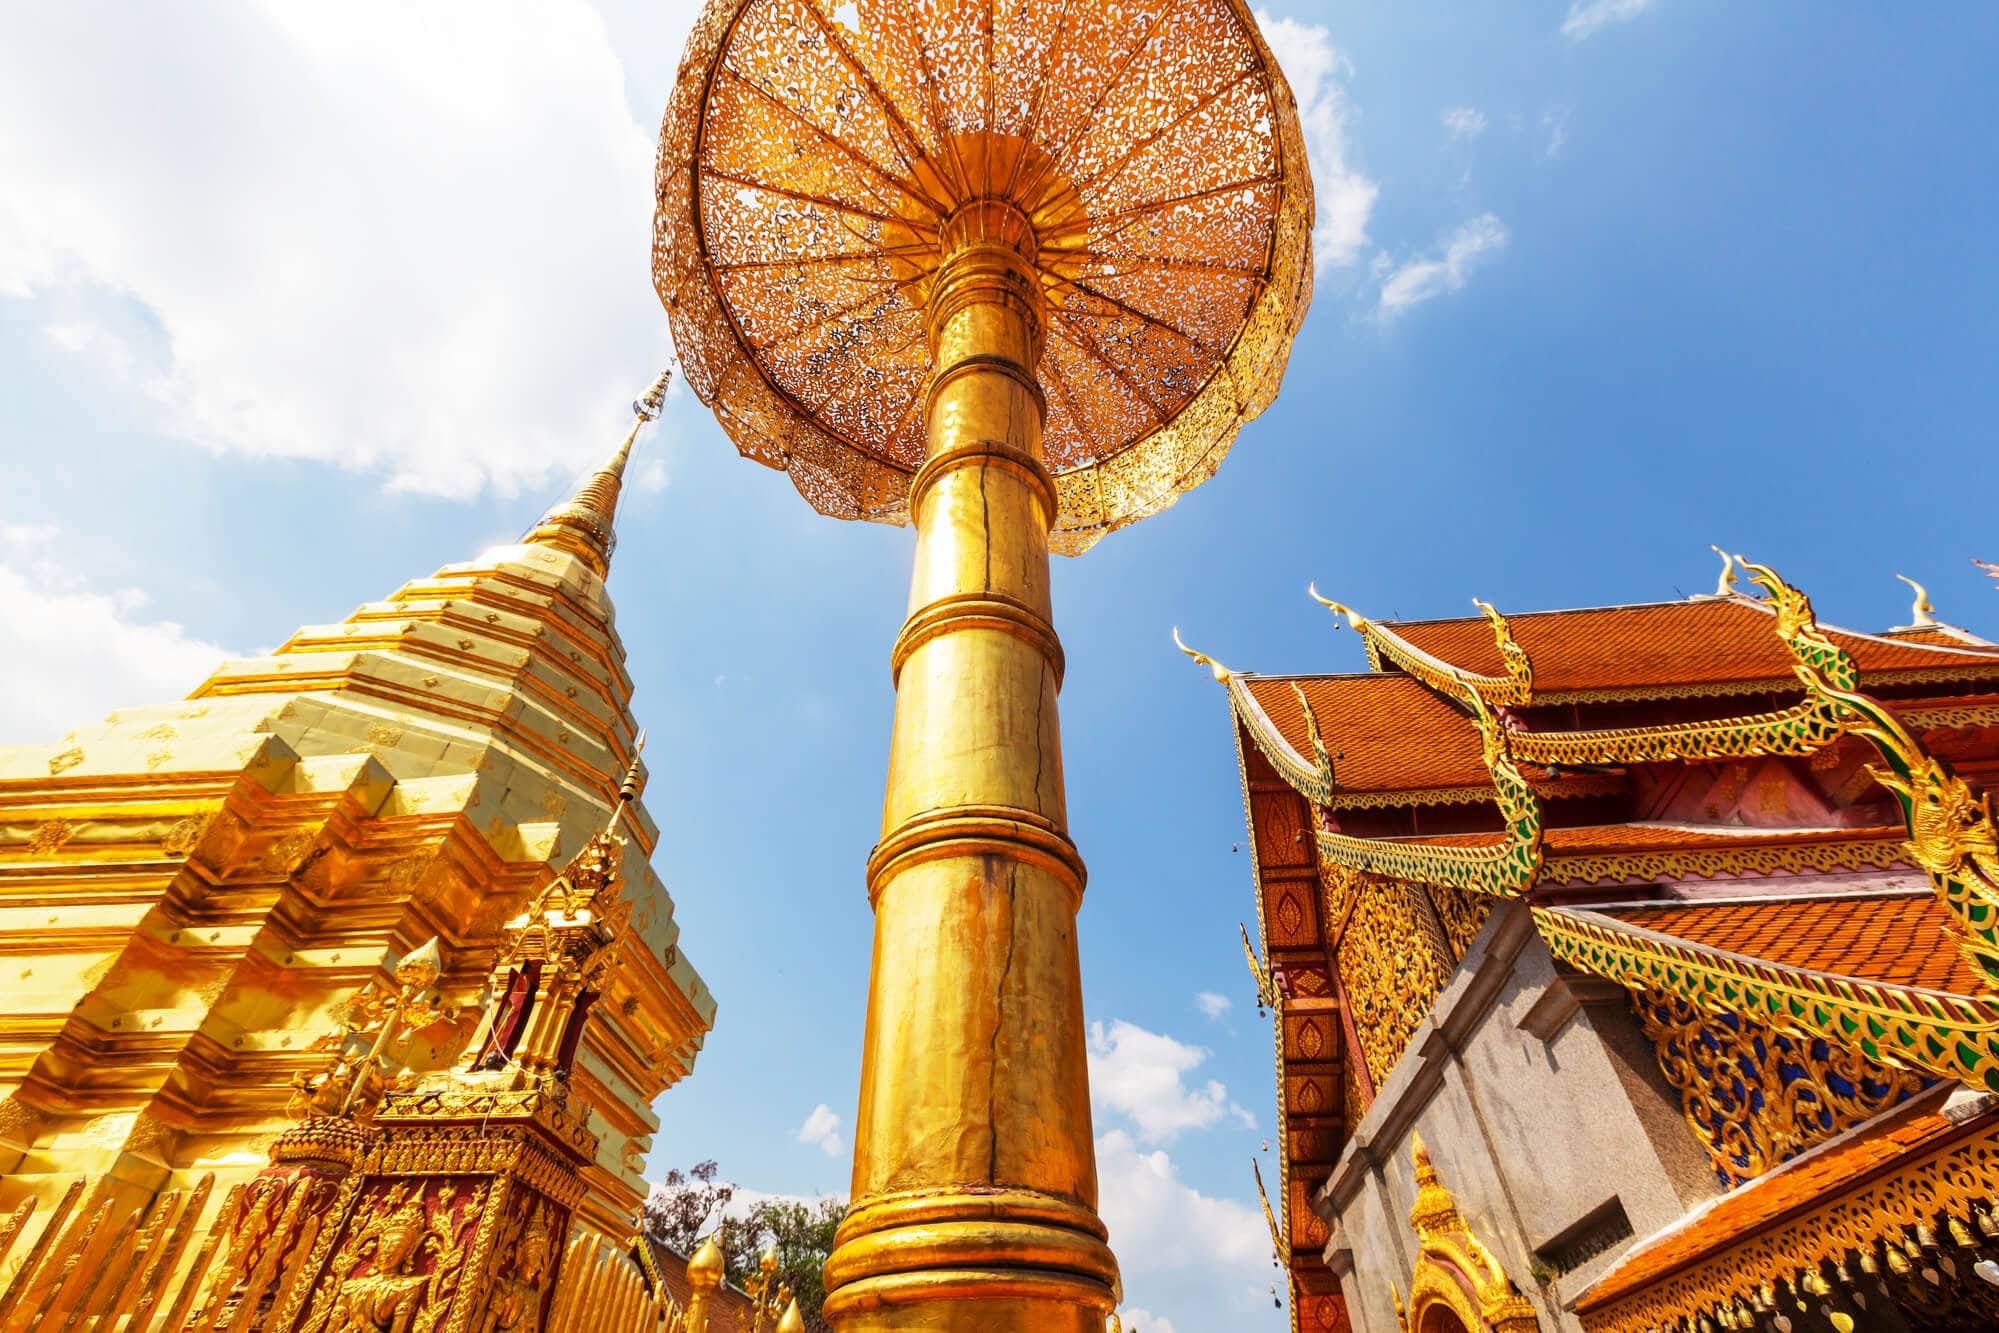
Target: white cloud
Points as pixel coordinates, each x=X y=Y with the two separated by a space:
x=1345 y=197
x=1586 y=16
x=1136 y=1320
x=1179 y=1249
x=1213 y=1006
x=822 y=1127
x=411 y=239
x=1463 y=123
x=1417 y=280
x=1138 y=1073
x=1555 y=131
x=75 y=652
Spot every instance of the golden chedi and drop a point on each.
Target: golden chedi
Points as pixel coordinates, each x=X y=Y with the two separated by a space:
x=284 y=896
x=1016 y=275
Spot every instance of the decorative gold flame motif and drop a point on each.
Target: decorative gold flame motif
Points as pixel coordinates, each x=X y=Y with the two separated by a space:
x=813 y=150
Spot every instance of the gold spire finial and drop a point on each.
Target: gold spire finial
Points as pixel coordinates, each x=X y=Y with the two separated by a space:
x=793 y=1321
x=704 y=1270
x=583 y=524
x=1922 y=613
x=1354 y=618
x=1222 y=673
x=1725 y=586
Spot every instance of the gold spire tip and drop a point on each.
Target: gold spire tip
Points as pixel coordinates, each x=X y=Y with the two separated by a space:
x=1222 y=673
x=1354 y=618
x=1922 y=612
x=648 y=404
x=1725 y=585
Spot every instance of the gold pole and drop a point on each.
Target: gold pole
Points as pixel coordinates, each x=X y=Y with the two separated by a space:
x=974 y=1180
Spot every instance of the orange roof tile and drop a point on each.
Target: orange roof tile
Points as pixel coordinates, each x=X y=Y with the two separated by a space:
x=1944 y=636
x=1666 y=644
x=1901 y=940
x=1835 y=1168
x=1394 y=733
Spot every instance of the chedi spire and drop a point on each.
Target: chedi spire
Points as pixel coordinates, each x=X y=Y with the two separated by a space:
x=583 y=524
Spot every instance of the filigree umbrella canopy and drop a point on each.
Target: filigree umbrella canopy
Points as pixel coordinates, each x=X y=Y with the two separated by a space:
x=812 y=149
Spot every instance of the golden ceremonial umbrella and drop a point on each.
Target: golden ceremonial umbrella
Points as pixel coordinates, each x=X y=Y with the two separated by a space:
x=1016 y=272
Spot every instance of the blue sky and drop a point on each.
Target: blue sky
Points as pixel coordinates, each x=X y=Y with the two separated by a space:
x=298 y=305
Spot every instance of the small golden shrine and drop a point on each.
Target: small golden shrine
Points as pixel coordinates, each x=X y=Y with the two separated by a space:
x=1669 y=933
x=341 y=990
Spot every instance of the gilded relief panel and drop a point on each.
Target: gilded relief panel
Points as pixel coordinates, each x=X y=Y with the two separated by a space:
x=1461 y=913
x=1755 y=1096
x=1392 y=963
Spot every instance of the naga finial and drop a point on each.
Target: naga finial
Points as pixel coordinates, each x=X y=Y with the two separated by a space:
x=1922 y=613
x=1725 y=585
x=1794 y=609
x=1988 y=566
x=1222 y=673
x=1354 y=618
x=1277 y=1246
x=1266 y=989
x=1518 y=665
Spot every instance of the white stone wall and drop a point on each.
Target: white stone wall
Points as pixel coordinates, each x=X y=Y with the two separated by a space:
x=1542 y=1106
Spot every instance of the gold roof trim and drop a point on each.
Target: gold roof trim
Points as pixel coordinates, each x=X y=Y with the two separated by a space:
x=1711 y=861
x=1514 y=688
x=1951 y=1036
x=1947 y=1183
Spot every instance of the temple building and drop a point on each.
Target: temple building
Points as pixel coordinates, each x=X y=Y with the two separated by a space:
x=343 y=982
x=1632 y=969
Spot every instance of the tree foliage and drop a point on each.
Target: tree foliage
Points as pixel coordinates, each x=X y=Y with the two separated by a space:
x=687 y=1206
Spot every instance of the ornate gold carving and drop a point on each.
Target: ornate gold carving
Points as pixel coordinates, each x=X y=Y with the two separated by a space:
x=287 y=855
x=50 y=836
x=1795 y=856
x=1756 y=1096
x=1453 y=1266
x=65 y=761
x=1867 y=1232
x=401 y=1260
x=1392 y=964
x=1176 y=258
x=1461 y=914
x=348 y=1083
x=1952 y=715
x=1568 y=786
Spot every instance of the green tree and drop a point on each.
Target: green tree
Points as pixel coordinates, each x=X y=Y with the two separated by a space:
x=686 y=1207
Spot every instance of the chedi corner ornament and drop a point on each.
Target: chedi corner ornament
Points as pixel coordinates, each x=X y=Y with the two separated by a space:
x=456 y=1211
x=1016 y=275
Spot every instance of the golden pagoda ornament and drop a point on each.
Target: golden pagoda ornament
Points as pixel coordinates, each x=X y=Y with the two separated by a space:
x=1016 y=274
x=246 y=1085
